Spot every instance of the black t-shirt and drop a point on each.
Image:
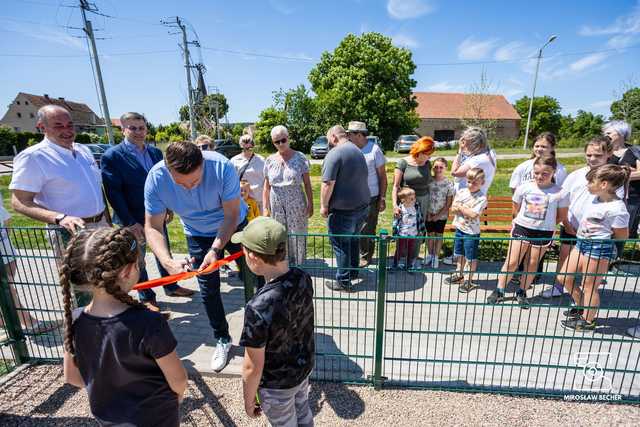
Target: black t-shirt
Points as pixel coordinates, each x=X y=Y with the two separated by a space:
x=628 y=158
x=115 y=356
x=279 y=317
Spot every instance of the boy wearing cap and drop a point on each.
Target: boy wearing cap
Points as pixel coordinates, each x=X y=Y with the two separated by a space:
x=278 y=329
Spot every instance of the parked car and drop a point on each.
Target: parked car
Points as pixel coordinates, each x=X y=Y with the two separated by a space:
x=319 y=148
x=404 y=143
x=375 y=140
x=446 y=145
x=97 y=151
x=105 y=147
x=227 y=148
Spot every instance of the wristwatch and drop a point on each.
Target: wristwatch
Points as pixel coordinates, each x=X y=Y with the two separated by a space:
x=60 y=217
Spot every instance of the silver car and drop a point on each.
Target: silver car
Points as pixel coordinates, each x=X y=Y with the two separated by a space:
x=404 y=143
x=319 y=148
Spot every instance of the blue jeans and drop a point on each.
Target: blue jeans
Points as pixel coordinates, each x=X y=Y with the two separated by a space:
x=346 y=248
x=148 y=294
x=210 y=283
x=466 y=245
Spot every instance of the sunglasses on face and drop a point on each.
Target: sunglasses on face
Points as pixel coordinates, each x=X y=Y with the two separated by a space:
x=280 y=141
x=204 y=147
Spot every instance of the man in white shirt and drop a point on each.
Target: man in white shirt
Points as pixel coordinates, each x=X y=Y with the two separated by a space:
x=57 y=181
x=377 y=181
x=250 y=167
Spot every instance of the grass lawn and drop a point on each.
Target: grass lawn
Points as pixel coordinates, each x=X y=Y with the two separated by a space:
x=317 y=224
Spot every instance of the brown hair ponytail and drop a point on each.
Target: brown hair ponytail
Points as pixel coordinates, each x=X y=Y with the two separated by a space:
x=94 y=259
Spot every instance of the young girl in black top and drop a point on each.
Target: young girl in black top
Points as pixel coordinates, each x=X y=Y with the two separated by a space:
x=121 y=352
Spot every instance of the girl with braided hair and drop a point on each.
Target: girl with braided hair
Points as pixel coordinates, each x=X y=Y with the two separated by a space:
x=123 y=353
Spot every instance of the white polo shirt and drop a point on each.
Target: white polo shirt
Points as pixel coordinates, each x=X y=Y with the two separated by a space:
x=65 y=181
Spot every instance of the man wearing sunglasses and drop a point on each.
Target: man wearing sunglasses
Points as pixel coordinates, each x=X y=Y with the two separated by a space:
x=124 y=172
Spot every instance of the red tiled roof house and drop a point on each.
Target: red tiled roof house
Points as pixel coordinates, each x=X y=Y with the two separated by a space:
x=442 y=114
x=21 y=115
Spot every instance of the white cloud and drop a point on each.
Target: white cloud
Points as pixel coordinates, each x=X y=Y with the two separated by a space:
x=404 y=40
x=621 y=41
x=471 y=49
x=511 y=92
x=626 y=24
x=45 y=33
x=445 y=87
x=408 y=9
x=510 y=51
x=588 y=61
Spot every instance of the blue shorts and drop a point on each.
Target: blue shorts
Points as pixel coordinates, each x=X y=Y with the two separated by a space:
x=597 y=249
x=465 y=245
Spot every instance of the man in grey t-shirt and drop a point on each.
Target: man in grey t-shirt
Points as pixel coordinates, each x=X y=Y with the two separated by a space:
x=344 y=201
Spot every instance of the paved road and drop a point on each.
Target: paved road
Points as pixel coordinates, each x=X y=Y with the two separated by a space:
x=500 y=157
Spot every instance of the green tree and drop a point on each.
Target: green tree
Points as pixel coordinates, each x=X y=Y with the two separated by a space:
x=587 y=125
x=302 y=118
x=269 y=117
x=366 y=78
x=545 y=115
x=628 y=109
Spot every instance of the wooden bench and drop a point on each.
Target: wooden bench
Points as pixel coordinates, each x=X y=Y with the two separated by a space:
x=496 y=218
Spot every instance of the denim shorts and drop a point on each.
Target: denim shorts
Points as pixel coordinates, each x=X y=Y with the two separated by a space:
x=597 y=249
x=465 y=245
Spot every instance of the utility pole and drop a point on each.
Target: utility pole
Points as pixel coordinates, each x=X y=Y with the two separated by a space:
x=88 y=29
x=187 y=65
x=533 y=91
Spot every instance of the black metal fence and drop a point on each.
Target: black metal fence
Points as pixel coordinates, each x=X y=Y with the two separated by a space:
x=401 y=327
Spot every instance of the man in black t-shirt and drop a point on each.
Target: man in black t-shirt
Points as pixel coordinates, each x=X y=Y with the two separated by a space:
x=278 y=329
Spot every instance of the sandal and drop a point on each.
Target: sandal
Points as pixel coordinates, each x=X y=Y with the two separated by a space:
x=467 y=287
x=454 y=279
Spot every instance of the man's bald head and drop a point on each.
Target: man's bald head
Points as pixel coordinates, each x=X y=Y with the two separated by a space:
x=336 y=134
x=57 y=125
x=44 y=113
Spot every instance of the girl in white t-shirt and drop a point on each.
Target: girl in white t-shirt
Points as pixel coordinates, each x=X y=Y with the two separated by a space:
x=538 y=207
x=604 y=217
x=597 y=151
x=544 y=145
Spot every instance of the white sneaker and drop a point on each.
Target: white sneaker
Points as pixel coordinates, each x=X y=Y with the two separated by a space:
x=551 y=292
x=426 y=262
x=448 y=260
x=435 y=263
x=634 y=331
x=220 y=356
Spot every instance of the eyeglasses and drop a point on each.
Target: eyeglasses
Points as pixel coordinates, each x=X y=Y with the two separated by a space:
x=204 y=147
x=137 y=128
x=280 y=141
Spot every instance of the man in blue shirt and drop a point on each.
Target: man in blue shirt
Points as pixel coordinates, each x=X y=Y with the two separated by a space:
x=124 y=171
x=204 y=190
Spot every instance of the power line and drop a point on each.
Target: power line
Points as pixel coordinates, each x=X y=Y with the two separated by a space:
x=28 y=55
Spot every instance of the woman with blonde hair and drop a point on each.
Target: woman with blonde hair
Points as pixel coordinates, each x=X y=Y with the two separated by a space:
x=414 y=171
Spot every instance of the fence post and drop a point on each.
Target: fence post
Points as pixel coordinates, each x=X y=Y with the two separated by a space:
x=383 y=240
x=11 y=319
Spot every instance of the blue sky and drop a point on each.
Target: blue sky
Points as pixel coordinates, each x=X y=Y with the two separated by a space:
x=251 y=48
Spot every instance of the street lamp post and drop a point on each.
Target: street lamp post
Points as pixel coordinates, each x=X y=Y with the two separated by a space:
x=533 y=91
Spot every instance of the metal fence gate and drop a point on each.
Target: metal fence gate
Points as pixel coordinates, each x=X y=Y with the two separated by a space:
x=404 y=328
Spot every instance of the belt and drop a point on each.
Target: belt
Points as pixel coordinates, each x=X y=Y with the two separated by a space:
x=95 y=218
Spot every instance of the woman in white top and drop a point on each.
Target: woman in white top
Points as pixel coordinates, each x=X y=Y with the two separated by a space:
x=474 y=152
x=604 y=217
x=250 y=167
x=544 y=145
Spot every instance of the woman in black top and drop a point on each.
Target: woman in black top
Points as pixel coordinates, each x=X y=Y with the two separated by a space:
x=619 y=133
x=120 y=351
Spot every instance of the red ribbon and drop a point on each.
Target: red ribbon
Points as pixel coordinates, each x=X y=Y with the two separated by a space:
x=187 y=274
